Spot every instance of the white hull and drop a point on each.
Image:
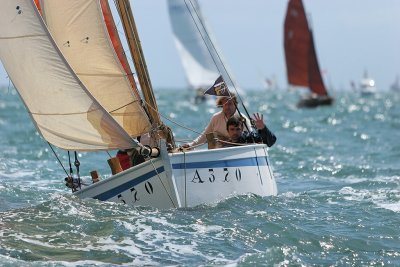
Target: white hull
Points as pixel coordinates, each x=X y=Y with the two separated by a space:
x=367 y=86
x=368 y=90
x=189 y=179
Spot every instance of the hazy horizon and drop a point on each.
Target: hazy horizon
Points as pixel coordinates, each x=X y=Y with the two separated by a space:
x=350 y=38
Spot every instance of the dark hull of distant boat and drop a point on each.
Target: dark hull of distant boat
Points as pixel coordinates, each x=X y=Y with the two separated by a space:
x=313 y=102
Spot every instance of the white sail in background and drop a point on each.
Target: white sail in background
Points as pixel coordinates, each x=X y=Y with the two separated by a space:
x=63 y=110
x=196 y=46
x=87 y=46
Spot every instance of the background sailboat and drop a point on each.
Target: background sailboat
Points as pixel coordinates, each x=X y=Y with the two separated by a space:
x=202 y=61
x=367 y=85
x=395 y=86
x=301 y=58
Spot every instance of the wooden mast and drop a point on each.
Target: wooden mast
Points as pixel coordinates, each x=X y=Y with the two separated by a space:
x=163 y=131
x=125 y=12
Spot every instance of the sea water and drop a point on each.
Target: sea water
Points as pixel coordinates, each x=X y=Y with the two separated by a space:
x=337 y=170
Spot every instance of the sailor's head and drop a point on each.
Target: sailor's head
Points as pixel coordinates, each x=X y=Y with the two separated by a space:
x=228 y=104
x=234 y=127
x=222 y=100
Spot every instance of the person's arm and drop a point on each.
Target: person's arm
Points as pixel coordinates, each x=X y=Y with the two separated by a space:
x=202 y=137
x=266 y=135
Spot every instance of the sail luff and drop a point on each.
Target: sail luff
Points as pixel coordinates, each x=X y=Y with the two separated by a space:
x=316 y=83
x=131 y=33
x=296 y=43
x=62 y=109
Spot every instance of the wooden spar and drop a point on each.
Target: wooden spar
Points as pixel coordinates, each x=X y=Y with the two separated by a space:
x=125 y=12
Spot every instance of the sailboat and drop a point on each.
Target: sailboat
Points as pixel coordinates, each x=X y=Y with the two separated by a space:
x=66 y=62
x=301 y=57
x=367 y=85
x=395 y=87
x=202 y=60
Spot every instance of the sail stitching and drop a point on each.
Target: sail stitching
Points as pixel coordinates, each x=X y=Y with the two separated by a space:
x=107 y=75
x=63 y=114
x=23 y=36
x=130 y=103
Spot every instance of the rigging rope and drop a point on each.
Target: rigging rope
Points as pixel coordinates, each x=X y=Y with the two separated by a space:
x=174 y=122
x=215 y=50
x=77 y=163
x=59 y=161
x=70 y=165
x=158 y=175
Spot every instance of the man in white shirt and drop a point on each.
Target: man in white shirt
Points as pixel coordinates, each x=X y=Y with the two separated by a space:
x=218 y=121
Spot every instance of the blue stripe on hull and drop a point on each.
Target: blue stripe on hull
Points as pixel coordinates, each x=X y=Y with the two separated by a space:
x=262 y=161
x=128 y=185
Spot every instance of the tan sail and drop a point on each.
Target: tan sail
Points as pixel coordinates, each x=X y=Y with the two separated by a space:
x=63 y=110
x=88 y=48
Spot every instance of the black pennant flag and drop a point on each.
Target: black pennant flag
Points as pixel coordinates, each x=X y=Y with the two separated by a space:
x=219 y=88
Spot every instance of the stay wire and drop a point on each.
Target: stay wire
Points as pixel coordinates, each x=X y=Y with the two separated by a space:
x=162 y=183
x=70 y=165
x=77 y=164
x=59 y=161
x=215 y=50
x=172 y=121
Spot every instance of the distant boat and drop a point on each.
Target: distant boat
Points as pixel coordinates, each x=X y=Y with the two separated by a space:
x=301 y=58
x=367 y=85
x=396 y=85
x=271 y=83
x=201 y=59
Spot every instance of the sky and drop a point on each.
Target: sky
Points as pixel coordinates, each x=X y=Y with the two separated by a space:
x=351 y=37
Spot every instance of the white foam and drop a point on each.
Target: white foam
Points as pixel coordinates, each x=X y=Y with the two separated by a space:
x=390 y=206
x=379 y=196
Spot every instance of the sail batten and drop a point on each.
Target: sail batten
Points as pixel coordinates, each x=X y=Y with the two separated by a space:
x=74 y=120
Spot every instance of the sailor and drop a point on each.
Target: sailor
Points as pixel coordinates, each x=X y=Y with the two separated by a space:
x=218 y=121
x=234 y=128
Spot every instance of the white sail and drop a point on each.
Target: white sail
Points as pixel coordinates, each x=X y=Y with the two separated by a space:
x=200 y=56
x=88 y=48
x=63 y=110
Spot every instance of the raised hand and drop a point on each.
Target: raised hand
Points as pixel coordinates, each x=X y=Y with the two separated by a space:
x=258 y=120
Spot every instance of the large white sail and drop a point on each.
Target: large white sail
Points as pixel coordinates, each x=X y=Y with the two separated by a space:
x=201 y=59
x=88 y=48
x=63 y=110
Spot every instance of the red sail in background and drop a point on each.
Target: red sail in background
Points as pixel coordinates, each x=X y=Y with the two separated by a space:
x=296 y=43
x=301 y=58
x=316 y=84
x=112 y=31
